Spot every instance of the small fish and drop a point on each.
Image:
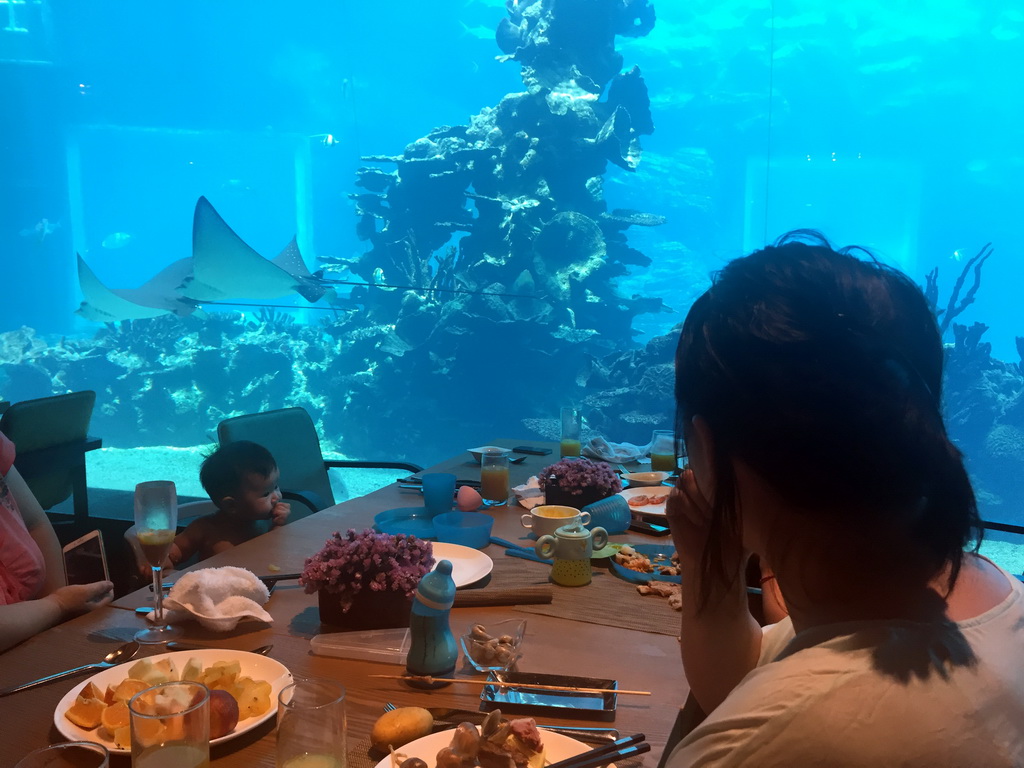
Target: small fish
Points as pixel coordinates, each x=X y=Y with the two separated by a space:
x=236 y=185
x=379 y=279
x=327 y=139
x=958 y=255
x=480 y=31
x=42 y=228
x=116 y=240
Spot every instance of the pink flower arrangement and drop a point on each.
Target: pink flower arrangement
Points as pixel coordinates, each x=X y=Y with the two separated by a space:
x=379 y=561
x=574 y=476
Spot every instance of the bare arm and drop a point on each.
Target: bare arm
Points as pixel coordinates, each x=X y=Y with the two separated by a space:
x=40 y=530
x=720 y=644
x=20 y=621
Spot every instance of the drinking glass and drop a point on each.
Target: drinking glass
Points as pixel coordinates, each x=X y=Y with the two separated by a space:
x=74 y=754
x=663 y=451
x=171 y=726
x=571 y=424
x=311 y=725
x=156 y=522
x=494 y=478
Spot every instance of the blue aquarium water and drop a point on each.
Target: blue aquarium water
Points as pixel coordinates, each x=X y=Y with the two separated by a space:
x=460 y=245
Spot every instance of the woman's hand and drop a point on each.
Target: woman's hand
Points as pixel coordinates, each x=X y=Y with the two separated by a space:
x=689 y=518
x=80 y=598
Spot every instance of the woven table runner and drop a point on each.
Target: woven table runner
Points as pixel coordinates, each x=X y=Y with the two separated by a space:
x=607 y=600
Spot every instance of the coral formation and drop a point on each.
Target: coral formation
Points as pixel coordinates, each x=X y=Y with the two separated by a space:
x=536 y=250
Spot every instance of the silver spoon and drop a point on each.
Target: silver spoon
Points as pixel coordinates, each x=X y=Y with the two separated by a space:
x=112 y=659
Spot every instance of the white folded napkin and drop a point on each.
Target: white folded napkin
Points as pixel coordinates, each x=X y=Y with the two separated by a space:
x=529 y=495
x=218 y=598
x=615 y=453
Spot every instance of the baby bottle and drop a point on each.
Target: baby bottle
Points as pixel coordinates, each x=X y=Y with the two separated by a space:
x=432 y=649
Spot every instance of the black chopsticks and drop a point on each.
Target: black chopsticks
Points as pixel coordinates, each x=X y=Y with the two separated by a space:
x=627 y=746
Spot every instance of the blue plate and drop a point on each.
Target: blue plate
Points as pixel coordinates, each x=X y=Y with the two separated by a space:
x=652 y=551
x=412 y=521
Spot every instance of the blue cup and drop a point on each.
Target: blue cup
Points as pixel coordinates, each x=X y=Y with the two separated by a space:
x=438 y=492
x=612 y=514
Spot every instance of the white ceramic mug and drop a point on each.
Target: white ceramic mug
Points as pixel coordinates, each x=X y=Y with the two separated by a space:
x=545 y=519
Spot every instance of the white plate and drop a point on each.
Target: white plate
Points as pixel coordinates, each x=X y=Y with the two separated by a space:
x=468 y=564
x=556 y=747
x=252 y=665
x=647 y=509
x=645 y=479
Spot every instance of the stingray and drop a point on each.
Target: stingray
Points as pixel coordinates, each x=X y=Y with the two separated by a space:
x=158 y=296
x=224 y=267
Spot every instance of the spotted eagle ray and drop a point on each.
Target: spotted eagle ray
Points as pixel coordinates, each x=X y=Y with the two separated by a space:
x=225 y=267
x=222 y=267
x=158 y=296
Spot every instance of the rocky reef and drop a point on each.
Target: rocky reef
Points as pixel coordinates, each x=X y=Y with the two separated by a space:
x=504 y=224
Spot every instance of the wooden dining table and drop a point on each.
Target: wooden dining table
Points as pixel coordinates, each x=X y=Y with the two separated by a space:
x=588 y=631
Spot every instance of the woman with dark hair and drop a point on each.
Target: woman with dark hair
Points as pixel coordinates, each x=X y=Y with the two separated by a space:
x=808 y=389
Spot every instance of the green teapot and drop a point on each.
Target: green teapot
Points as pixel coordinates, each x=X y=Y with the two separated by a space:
x=571 y=547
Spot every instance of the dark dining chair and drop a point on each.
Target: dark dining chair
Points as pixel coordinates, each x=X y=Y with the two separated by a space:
x=291 y=437
x=51 y=435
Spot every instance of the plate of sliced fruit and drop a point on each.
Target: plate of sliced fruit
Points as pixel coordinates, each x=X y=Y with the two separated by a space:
x=243 y=693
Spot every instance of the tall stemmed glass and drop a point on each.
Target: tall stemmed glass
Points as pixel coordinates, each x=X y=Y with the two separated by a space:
x=156 y=521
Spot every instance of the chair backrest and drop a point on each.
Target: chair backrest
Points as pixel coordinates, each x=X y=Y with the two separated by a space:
x=45 y=423
x=290 y=436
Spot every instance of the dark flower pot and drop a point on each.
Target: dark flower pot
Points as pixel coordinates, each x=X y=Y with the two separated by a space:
x=555 y=495
x=369 y=610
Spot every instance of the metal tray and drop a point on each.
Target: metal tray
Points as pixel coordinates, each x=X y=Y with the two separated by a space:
x=591 y=706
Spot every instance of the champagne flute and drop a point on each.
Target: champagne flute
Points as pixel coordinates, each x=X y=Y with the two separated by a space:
x=156 y=521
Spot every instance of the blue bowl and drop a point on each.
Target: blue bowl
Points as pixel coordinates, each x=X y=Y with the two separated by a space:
x=470 y=529
x=412 y=521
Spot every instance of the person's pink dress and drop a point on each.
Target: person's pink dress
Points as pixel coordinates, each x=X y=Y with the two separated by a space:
x=22 y=568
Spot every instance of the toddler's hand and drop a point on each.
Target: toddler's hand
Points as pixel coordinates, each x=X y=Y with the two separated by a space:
x=79 y=598
x=279 y=514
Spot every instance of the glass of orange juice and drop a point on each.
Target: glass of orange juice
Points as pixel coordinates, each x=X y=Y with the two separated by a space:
x=156 y=521
x=571 y=427
x=663 y=451
x=494 y=482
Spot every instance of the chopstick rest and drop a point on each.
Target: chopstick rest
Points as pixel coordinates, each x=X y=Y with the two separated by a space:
x=627 y=746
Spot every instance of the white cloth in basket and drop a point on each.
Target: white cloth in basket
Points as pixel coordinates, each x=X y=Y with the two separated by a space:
x=218 y=598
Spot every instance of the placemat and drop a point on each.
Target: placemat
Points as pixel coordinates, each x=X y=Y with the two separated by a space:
x=610 y=602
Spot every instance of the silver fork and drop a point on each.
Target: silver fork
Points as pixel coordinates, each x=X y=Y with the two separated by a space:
x=570 y=729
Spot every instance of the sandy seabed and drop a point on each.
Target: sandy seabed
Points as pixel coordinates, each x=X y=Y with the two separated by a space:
x=120 y=469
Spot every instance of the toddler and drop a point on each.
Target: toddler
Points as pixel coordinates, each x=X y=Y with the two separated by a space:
x=241 y=478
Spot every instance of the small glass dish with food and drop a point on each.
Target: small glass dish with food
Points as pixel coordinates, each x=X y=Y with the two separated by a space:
x=493 y=648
